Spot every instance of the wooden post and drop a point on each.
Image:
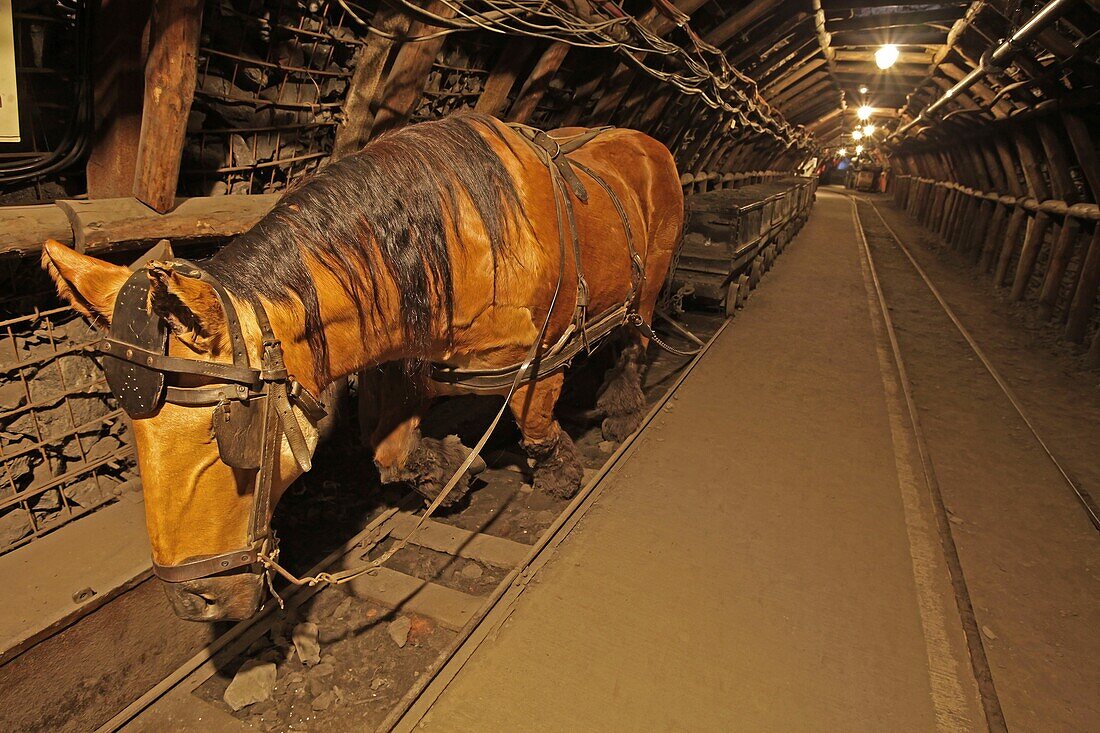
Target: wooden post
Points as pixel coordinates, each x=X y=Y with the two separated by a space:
x=1084 y=295
x=1008 y=246
x=530 y=94
x=118 y=57
x=169 y=88
x=1029 y=254
x=1056 y=270
x=370 y=62
x=513 y=57
x=405 y=84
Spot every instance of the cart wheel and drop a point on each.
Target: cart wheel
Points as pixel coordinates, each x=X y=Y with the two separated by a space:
x=756 y=271
x=743 y=290
x=732 y=302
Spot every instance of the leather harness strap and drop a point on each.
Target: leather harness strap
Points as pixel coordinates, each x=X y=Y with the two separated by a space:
x=579 y=336
x=268 y=394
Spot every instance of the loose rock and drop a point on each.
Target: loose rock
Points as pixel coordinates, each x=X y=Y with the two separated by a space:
x=323 y=701
x=399 y=630
x=472 y=571
x=253 y=683
x=305 y=642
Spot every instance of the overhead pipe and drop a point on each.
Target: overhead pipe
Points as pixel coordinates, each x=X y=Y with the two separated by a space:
x=995 y=59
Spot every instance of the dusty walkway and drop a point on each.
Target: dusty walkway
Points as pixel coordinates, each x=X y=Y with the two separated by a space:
x=764 y=560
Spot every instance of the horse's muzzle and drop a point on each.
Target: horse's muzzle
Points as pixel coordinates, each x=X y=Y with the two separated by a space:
x=219 y=598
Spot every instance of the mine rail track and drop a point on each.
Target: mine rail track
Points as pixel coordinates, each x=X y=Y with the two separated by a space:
x=1086 y=500
x=402 y=592
x=392 y=589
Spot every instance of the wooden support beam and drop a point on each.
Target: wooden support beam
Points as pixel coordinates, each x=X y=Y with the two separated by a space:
x=118 y=57
x=624 y=75
x=1083 y=147
x=370 y=63
x=1060 y=256
x=112 y=225
x=904 y=57
x=513 y=58
x=740 y=20
x=533 y=89
x=169 y=88
x=789 y=100
x=770 y=39
x=908 y=18
x=777 y=87
x=411 y=66
x=1084 y=295
x=1057 y=163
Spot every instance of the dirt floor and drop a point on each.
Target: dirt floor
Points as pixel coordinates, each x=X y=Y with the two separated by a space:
x=368 y=660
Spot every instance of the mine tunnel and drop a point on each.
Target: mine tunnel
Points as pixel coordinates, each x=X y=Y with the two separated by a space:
x=549 y=365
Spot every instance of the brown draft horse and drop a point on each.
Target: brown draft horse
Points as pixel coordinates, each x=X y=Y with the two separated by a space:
x=436 y=243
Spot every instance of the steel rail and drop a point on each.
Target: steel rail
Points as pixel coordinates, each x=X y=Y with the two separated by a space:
x=979 y=661
x=1082 y=494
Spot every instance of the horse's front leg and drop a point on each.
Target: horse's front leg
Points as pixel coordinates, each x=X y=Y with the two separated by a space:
x=391 y=407
x=558 y=471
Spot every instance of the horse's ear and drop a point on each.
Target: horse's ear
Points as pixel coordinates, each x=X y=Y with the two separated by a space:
x=190 y=307
x=89 y=284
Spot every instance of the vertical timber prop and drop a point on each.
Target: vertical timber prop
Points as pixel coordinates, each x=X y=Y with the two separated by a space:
x=370 y=63
x=530 y=94
x=513 y=57
x=411 y=67
x=118 y=88
x=170 y=74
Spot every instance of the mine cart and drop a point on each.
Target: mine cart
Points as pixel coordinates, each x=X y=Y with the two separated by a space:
x=732 y=236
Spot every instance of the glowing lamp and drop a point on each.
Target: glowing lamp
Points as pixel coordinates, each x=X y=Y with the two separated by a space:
x=842 y=152
x=857 y=134
x=863 y=90
x=886 y=56
x=864 y=112
x=869 y=130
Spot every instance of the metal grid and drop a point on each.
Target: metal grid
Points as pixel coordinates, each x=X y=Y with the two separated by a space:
x=272 y=77
x=457 y=77
x=64 y=447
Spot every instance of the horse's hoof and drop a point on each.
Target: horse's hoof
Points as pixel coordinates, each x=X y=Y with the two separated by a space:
x=434 y=462
x=558 y=471
x=617 y=428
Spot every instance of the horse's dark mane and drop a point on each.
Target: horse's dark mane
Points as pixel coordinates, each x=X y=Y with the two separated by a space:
x=385 y=209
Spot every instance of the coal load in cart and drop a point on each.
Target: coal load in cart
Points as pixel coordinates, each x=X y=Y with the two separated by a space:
x=732 y=236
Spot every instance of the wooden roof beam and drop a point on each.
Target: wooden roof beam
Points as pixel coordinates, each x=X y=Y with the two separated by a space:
x=741 y=20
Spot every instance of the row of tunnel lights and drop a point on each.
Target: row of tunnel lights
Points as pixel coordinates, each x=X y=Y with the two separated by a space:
x=885 y=57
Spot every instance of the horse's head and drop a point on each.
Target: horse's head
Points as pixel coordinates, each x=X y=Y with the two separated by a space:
x=198 y=431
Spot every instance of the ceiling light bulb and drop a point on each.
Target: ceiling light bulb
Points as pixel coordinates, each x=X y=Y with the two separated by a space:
x=857 y=134
x=886 y=56
x=868 y=130
x=842 y=152
x=864 y=112
x=863 y=90
x=859 y=149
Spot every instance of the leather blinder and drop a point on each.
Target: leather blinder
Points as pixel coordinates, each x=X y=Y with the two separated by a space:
x=238 y=429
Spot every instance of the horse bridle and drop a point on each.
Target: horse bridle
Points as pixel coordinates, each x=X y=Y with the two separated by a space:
x=252 y=408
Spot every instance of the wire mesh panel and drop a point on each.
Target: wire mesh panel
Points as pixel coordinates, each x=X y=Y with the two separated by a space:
x=272 y=77
x=457 y=77
x=64 y=447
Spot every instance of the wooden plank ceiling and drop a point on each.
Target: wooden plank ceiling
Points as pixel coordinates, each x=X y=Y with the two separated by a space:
x=810 y=76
